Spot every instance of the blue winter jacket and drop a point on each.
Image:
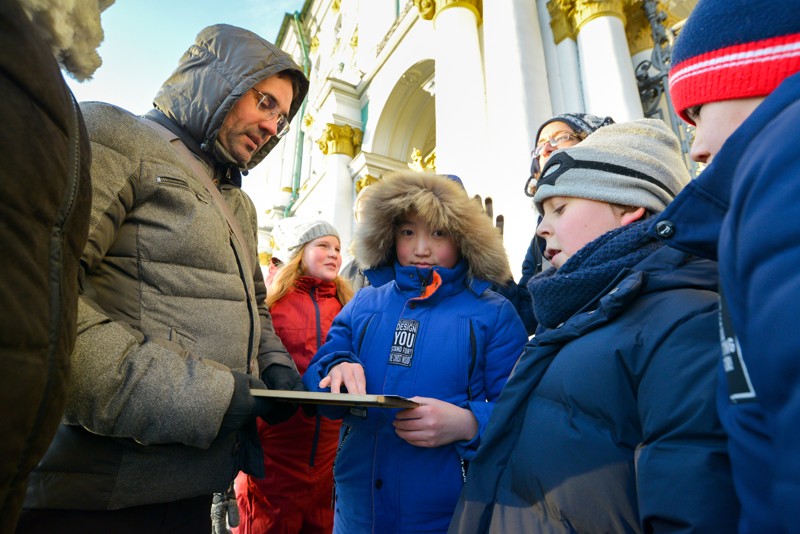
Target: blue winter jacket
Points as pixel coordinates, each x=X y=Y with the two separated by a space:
x=459 y=345
x=744 y=209
x=608 y=422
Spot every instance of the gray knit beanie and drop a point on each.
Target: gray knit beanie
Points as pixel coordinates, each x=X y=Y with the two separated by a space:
x=289 y=235
x=636 y=164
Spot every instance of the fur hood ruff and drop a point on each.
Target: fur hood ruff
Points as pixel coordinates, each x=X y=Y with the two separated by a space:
x=442 y=203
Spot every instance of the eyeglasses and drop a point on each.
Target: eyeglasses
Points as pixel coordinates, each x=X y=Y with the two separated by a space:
x=557 y=140
x=269 y=107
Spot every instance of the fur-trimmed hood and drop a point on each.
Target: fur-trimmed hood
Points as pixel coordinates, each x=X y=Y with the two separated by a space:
x=442 y=203
x=73 y=31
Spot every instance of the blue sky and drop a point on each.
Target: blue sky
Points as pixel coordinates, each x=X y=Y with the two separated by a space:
x=145 y=38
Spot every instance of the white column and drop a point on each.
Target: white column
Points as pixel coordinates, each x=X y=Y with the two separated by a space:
x=561 y=52
x=609 y=83
x=339 y=143
x=460 y=94
x=518 y=100
x=338 y=187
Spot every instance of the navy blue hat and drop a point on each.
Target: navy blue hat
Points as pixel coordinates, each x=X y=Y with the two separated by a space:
x=730 y=49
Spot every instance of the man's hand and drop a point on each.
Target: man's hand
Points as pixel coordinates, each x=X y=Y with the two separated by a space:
x=244 y=407
x=285 y=378
x=349 y=375
x=435 y=423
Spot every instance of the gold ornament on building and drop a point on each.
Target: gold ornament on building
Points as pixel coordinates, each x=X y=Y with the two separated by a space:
x=428 y=9
x=354 y=40
x=560 y=21
x=314 y=44
x=422 y=163
x=588 y=10
x=579 y=12
x=364 y=181
x=637 y=27
x=308 y=120
x=336 y=6
x=342 y=139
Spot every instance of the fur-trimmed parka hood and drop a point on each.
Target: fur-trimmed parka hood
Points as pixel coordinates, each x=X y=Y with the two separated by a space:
x=73 y=31
x=442 y=203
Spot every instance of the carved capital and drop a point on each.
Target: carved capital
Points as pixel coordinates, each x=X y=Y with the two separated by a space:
x=637 y=27
x=587 y=10
x=561 y=20
x=338 y=139
x=364 y=181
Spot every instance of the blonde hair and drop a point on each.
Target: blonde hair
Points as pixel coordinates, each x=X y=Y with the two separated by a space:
x=286 y=277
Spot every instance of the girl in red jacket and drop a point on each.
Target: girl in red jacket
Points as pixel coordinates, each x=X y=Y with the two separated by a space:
x=304 y=297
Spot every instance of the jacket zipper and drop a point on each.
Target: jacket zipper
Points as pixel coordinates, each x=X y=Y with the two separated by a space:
x=317 y=417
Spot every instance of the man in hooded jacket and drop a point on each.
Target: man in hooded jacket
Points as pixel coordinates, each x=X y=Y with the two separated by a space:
x=173 y=332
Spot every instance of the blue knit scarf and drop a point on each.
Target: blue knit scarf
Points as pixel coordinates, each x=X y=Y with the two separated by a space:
x=559 y=294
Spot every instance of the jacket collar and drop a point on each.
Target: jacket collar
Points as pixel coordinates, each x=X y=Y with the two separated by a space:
x=410 y=279
x=695 y=216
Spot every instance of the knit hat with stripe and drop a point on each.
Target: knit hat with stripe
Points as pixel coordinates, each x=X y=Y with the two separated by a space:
x=731 y=49
x=637 y=164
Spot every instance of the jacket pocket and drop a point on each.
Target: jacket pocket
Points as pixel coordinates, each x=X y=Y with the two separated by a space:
x=172 y=181
x=184 y=340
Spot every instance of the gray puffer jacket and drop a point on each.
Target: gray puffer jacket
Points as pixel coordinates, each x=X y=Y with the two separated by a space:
x=169 y=304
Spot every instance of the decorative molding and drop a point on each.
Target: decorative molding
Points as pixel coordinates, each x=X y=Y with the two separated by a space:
x=637 y=28
x=429 y=9
x=422 y=164
x=426 y=8
x=577 y=13
x=588 y=10
x=411 y=77
x=365 y=181
x=314 y=44
x=560 y=21
x=338 y=139
x=365 y=163
x=394 y=27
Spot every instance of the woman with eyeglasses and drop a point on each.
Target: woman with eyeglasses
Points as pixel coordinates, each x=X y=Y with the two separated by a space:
x=560 y=131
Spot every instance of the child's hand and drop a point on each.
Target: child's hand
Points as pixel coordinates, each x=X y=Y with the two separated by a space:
x=349 y=375
x=435 y=423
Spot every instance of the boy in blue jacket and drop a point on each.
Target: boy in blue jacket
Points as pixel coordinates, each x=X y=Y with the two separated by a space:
x=735 y=77
x=428 y=328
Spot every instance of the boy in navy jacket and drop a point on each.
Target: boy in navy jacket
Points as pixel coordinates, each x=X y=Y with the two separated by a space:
x=734 y=76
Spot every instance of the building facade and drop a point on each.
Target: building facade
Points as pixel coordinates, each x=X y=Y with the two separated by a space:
x=456 y=87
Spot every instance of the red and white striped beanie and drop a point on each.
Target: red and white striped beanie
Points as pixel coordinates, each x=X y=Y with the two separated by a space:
x=731 y=49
